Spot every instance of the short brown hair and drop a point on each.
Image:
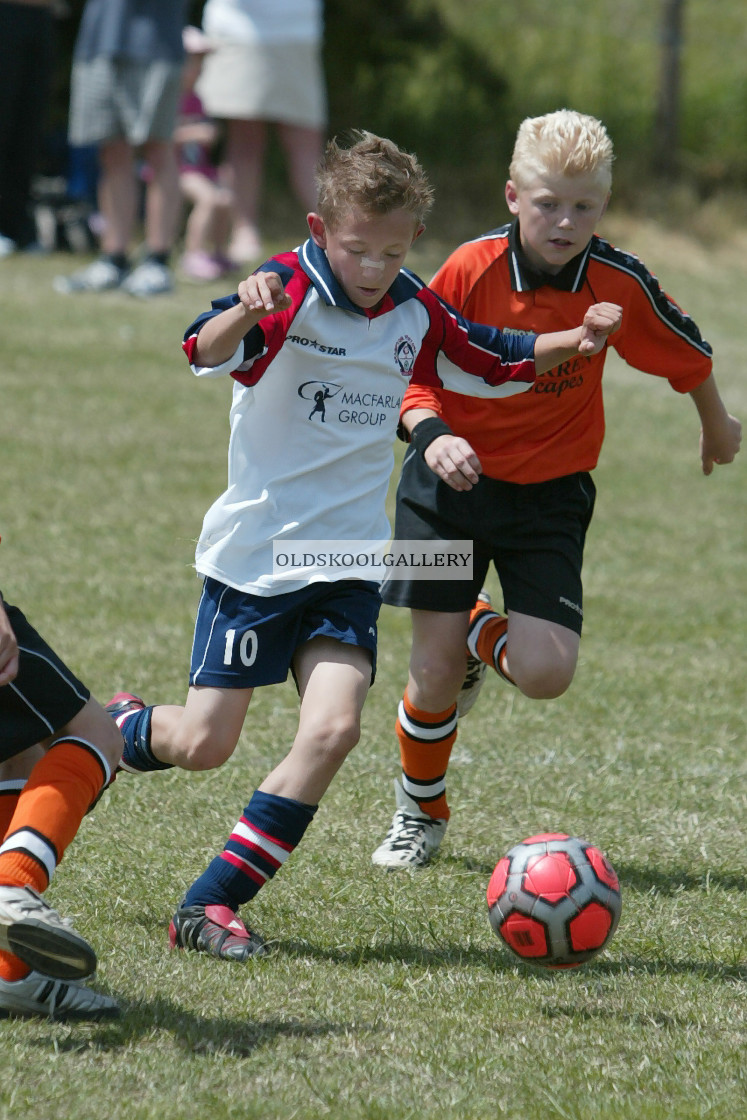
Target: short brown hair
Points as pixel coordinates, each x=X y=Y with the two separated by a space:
x=371 y=174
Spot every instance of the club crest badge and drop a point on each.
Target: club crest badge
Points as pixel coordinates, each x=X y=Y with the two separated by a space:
x=404 y=355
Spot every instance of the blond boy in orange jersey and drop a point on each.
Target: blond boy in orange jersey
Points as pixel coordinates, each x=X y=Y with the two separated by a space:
x=514 y=474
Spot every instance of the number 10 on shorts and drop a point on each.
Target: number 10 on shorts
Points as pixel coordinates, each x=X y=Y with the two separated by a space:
x=247 y=647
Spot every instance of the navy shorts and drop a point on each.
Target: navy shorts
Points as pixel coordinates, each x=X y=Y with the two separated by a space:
x=244 y=641
x=534 y=533
x=44 y=696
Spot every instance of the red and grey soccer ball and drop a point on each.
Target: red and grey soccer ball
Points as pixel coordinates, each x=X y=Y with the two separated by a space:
x=554 y=900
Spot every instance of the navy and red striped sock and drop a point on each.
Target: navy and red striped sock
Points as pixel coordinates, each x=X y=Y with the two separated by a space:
x=262 y=839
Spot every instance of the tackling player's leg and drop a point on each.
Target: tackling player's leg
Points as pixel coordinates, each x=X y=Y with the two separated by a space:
x=41 y=816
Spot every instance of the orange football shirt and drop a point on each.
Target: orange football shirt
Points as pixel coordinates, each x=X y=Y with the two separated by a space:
x=557 y=427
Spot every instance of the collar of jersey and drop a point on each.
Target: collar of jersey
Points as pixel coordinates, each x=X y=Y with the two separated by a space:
x=313 y=261
x=524 y=277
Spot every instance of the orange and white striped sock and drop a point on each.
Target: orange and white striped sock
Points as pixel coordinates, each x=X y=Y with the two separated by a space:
x=487 y=638
x=425 y=743
x=57 y=795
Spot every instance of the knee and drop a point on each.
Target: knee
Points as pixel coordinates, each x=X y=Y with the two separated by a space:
x=436 y=679
x=543 y=681
x=110 y=744
x=335 y=738
x=160 y=155
x=342 y=737
x=95 y=726
x=223 y=199
x=196 y=751
x=116 y=156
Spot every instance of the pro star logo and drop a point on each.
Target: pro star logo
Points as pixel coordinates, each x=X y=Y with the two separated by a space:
x=319 y=392
x=404 y=355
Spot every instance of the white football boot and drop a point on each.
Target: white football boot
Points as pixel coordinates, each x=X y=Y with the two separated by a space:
x=413 y=837
x=33 y=931
x=54 y=999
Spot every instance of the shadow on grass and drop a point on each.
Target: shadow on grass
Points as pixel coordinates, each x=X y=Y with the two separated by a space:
x=499 y=961
x=241 y=1036
x=602 y=1012
x=198 y=1034
x=633 y=876
x=679 y=879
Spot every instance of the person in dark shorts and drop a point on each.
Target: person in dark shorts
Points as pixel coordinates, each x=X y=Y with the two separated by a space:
x=58 y=751
x=518 y=469
x=340 y=322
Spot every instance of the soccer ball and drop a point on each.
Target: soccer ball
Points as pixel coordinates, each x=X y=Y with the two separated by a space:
x=554 y=900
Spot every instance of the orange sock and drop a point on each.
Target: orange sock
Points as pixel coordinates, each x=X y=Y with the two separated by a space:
x=54 y=801
x=11 y=968
x=488 y=637
x=10 y=791
x=425 y=742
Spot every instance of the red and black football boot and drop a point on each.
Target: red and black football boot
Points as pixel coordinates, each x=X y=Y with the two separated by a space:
x=215 y=930
x=122 y=704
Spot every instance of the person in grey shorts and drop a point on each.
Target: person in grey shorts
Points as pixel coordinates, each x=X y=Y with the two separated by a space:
x=125 y=88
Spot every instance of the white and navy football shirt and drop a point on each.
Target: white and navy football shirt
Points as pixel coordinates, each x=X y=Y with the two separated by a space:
x=316 y=402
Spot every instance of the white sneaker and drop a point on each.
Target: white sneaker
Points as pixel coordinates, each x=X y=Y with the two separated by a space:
x=33 y=931
x=149 y=279
x=474 y=678
x=101 y=275
x=413 y=837
x=38 y=995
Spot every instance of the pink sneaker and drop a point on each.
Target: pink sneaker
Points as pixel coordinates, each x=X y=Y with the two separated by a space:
x=200 y=266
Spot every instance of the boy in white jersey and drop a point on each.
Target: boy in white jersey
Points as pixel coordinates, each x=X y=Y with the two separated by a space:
x=321 y=343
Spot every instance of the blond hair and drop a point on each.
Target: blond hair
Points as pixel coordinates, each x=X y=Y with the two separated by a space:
x=564 y=143
x=373 y=175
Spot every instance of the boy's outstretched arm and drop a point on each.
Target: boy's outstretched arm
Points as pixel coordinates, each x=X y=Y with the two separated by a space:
x=599 y=322
x=720 y=434
x=451 y=457
x=260 y=294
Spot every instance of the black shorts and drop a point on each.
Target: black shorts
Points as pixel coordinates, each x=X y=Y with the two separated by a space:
x=533 y=532
x=44 y=695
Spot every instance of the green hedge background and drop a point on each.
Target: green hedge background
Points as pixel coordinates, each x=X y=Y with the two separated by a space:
x=452 y=79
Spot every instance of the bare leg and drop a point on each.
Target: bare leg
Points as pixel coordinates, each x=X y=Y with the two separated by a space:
x=21 y=765
x=96 y=726
x=438 y=658
x=117 y=195
x=333 y=680
x=162 y=200
x=202 y=734
x=245 y=157
x=303 y=150
x=541 y=656
x=207 y=224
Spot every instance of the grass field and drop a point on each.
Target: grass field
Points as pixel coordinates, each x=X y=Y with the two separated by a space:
x=388 y=997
